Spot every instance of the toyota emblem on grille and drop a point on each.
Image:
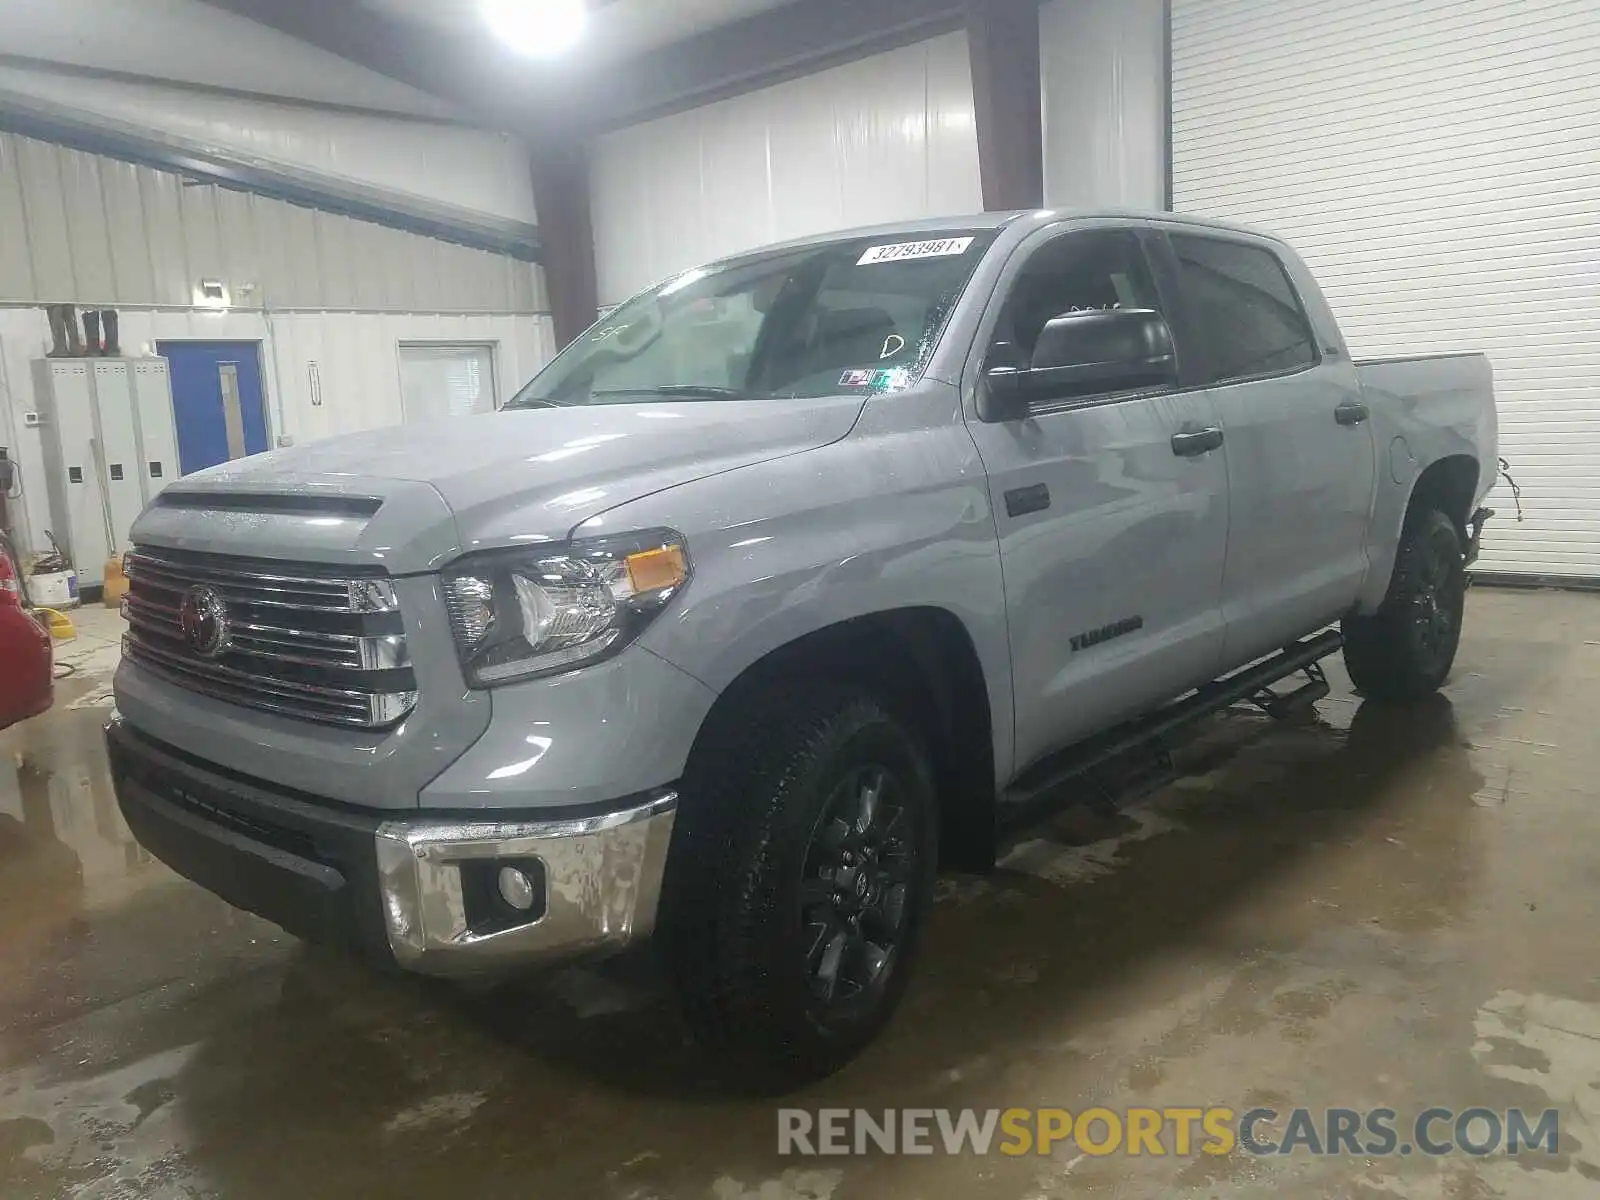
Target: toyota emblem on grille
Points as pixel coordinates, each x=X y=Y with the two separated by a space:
x=203 y=617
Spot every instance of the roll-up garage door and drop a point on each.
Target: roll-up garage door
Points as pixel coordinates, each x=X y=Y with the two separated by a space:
x=1437 y=162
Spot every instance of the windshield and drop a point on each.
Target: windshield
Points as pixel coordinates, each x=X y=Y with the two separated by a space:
x=851 y=316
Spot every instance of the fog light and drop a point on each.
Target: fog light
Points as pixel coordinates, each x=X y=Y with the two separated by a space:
x=516 y=889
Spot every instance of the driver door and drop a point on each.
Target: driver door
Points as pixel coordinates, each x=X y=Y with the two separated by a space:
x=1112 y=535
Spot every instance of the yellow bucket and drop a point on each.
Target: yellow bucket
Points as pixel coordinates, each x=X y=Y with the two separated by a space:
x=61 y=626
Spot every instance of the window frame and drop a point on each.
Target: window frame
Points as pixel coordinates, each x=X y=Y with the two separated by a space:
x=1046 y=239
x=1193 y=336
x=491 y=345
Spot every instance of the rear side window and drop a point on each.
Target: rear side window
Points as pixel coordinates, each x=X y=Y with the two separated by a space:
x=1241 y=299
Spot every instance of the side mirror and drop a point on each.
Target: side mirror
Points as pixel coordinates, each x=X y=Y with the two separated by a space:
x=1003 y=392
x=1080 y=354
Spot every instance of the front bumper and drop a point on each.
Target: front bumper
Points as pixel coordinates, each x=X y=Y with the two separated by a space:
x=418 y=892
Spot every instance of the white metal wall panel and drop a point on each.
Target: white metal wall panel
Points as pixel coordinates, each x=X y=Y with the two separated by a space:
x=337 y=264
x=84 y=209
x=1103 y=67
x=16 y=263
x=131 y=270
x=202 y=238
x=241 y=242
x=96 y=231
x=887 y=138
x=44 y=208
x=302 y=257
x=1435 y=162
x=163 y=233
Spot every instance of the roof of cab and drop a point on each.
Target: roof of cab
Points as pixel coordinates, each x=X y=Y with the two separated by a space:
x=1030 y=218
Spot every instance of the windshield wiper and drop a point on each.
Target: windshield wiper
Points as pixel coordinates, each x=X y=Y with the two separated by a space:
x=534 y=402
x=689 y=391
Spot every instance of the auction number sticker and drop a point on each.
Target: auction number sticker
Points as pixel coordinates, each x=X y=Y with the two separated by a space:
x=906 y=251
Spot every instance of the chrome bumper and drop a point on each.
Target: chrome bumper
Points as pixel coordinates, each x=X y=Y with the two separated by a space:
x=602 y=882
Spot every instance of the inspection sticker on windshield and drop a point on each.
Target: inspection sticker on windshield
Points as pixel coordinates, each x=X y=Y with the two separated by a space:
x=905 y=251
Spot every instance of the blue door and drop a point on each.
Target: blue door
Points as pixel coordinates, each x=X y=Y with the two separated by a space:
x=217 y=400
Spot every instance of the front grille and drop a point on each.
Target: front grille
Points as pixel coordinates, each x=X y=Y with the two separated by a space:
x=296 y=640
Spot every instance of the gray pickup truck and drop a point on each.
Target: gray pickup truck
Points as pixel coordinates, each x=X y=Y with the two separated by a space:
x=794 y=578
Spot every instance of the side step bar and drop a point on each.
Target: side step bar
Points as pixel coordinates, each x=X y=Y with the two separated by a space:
x=1037 y=793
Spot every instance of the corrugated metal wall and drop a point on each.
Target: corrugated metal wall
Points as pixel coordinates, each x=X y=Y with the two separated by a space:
x=80 y=227
x=884 y=139
x=468 y=168
x=312 y=287
x=1103 y=64
x=1435 y=162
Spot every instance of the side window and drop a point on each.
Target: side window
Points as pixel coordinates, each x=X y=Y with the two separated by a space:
x=1077 y=272
x=1241 y=299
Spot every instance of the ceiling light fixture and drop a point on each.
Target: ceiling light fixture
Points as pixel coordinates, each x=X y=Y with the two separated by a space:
x=537 y=28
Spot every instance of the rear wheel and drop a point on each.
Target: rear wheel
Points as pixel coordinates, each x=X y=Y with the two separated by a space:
x=1405 y=650
x=800 y=880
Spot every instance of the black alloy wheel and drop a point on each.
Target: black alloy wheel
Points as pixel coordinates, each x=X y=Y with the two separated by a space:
x=1439 y=597
x=857 y=877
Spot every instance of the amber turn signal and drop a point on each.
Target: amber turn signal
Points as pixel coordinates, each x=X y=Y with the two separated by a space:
x=654 y=570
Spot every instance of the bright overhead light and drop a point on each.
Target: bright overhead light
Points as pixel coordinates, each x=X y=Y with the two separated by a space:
x=537 y=28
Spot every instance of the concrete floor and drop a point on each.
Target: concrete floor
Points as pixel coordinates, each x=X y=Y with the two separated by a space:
x=1381 y=908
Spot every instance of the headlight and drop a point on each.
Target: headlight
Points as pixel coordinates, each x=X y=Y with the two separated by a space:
x=518 y=614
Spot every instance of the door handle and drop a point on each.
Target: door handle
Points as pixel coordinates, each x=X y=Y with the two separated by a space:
x=1192 y=443
x=1024 y=500
x=1351 y=413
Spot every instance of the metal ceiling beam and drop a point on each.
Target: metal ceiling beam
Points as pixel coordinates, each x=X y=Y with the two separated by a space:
x=456 y=69
x=558 y=100
x=48 y=66
x=781 y=43
x=47 y=121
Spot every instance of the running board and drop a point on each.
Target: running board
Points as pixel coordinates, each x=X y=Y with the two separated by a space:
x=1037 y=792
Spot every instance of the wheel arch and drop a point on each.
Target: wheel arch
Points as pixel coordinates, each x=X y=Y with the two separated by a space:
x=921 y=661
x=1450 y=484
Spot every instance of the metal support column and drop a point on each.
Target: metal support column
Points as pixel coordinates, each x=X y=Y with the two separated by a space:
x=561 y=196
x=1003 y=36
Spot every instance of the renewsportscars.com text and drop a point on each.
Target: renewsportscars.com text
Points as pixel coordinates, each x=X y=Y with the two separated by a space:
x=1217 y=1130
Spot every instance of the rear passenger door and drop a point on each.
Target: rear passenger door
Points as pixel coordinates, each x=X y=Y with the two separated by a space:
x=1111 y=539
x=1298 y=447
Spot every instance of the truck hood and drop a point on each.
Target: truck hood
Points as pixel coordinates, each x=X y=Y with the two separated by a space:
x=504 y=479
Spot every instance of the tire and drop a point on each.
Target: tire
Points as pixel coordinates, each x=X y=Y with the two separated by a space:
x=1405 y=650
x=787 y=959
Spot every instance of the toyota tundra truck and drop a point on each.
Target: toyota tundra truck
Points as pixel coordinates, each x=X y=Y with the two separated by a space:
x=795 y=578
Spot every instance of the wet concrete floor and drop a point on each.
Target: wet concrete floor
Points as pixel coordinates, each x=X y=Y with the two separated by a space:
x=1378 y=908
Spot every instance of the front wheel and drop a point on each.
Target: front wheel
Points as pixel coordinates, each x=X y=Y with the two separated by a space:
x=800 y=881
x=1405 y=650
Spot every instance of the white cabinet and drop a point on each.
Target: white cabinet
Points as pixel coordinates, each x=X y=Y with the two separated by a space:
x=158 y=431
x=110 y=446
